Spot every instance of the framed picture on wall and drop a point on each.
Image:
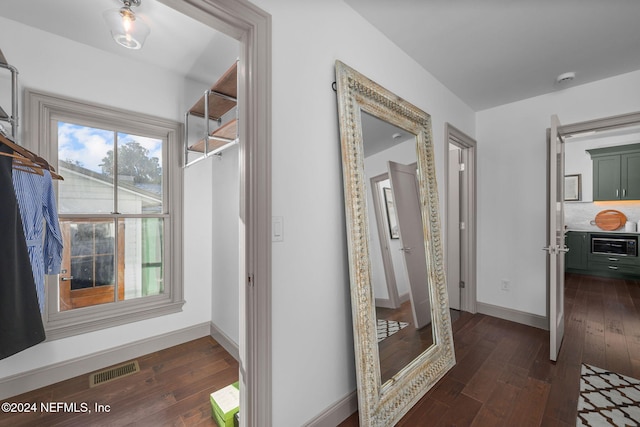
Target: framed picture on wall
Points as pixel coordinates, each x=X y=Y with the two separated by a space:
x=573 y=187
x=391 y=213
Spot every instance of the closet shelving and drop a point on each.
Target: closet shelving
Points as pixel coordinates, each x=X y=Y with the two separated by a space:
x=13 y=118
x=26 y=160
x=213 y=106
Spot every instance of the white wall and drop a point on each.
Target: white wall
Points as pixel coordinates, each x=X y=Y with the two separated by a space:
x=313 y=360
x=224 y=217
x=512 y=184
x=53 y=64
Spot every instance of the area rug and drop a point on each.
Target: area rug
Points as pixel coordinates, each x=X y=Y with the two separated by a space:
x=386 y=328
x=607 y=398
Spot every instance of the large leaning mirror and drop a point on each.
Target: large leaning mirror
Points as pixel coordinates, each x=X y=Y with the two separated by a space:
x=402 y=326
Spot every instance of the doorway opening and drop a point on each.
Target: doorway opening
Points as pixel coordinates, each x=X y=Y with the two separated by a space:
x=572 y=215
x=460 y=214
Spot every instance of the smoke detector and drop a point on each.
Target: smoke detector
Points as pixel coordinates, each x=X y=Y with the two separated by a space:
x=565 y=77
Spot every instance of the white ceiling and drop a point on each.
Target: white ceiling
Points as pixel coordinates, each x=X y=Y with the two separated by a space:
x=379 y=135
x=488 y=52
x=176 y=42
x=492 y=52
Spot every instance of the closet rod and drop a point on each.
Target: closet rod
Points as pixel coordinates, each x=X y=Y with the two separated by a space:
x=215 y=152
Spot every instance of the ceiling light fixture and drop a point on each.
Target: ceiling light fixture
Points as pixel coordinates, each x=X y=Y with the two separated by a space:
x=126 y=28
x=566 y=77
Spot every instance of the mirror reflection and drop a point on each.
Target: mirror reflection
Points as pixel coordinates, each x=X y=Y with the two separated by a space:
x=394 y=240
x=398 y=259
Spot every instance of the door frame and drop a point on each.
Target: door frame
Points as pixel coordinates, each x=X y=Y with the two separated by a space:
x=251 y=26
x=468 y=214
x=611 y=122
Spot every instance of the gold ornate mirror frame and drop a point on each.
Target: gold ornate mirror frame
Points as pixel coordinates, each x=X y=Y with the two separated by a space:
x=384 y=404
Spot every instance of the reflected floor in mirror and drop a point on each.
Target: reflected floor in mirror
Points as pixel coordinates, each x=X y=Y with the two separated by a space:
x=399 y=349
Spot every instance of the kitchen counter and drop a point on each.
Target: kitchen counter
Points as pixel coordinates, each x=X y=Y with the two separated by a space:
x=599 y=231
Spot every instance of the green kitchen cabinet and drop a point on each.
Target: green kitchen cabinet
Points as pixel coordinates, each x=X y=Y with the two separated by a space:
x=616 y=172
x=609 y=265
x=630 y=176
x=578 y=244
x=606 y=178
x=580 y=260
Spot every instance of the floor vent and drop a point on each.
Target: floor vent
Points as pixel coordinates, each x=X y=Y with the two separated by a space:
x=113 y=373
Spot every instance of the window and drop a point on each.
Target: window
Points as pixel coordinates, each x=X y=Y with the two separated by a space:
x=119 y=209
x=111 y=215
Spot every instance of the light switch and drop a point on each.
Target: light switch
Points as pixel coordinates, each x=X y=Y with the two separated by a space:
x=277 y=229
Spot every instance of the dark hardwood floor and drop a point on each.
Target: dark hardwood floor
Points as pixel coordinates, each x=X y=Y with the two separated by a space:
x=171 y=389
x=503 y=376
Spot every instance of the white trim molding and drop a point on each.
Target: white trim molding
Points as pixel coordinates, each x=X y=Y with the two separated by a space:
x=529 y=319
x=223 y=339
x=468 y=205
x=336 y=413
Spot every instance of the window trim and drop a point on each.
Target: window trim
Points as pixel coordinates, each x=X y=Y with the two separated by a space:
x=41 y=110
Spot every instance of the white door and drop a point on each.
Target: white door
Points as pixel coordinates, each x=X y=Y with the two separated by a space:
x=556 y=248
x=404 y=185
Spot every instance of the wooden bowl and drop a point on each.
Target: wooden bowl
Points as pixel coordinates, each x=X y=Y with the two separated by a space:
x=610 y=219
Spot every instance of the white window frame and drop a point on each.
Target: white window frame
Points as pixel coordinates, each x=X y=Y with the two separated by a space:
x=42 y=112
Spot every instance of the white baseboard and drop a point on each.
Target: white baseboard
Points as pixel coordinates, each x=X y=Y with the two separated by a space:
x=224 y=340
x=529 y=319
x=336 y=413
x=384 y=303
x=46 y=375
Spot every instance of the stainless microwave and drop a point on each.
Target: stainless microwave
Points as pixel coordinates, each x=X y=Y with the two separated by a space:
x=614 y=245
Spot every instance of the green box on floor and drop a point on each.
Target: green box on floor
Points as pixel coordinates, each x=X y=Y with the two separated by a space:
x=225 y=403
